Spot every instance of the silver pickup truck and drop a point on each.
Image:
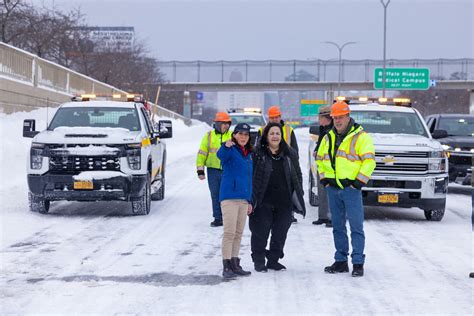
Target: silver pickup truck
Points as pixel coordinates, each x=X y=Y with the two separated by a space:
x=411 y=166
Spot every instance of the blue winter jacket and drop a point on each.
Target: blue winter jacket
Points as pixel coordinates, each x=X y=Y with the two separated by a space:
x=236 y=180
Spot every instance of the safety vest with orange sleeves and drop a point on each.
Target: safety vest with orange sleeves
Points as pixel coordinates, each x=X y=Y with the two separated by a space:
x=287 y=130
x=354 y=160
x=210 y=144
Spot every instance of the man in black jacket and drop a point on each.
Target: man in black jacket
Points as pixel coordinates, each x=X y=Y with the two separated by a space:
x=325 y=125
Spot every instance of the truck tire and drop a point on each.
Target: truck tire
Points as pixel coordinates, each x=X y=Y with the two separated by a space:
x=434 y=215
x=143 y=205
x=38 y=203
x=312 y=197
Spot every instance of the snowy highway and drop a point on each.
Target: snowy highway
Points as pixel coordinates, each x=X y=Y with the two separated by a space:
x=92 y=258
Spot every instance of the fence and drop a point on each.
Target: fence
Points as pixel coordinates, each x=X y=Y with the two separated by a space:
x=307 y=70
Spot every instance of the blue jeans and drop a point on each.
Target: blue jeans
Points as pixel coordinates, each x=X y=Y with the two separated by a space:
x=214 y=181
x=347 y=203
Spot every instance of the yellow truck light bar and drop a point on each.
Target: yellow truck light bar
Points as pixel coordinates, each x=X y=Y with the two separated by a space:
x=116 y=96
x=367 y=100
x=254 y=110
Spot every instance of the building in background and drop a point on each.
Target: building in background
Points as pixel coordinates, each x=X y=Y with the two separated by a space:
x=227 y=100
x=110 y=38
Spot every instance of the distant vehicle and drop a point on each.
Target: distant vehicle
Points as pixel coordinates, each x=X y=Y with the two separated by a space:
x=411 y=167
x=251 y=116
x=98 y=150
x=456 y=134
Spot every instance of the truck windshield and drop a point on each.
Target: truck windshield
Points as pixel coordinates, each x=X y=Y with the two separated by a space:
x=96 y=117
x=249 y=119
x=457 y=126
x=389 y=122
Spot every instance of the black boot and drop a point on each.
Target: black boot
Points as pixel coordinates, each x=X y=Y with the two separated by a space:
x=236 y=268
x=275 y=265
x=260 y=266
x=329 y=223
x=227 y=273
x=357 y=270
x=337 y=267
x=216 y=223
x=320 y=221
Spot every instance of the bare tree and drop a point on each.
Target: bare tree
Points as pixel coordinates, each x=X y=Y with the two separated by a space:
x=13 y=19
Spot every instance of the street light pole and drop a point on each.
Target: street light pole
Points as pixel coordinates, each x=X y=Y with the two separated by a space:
x=339 y=48
x=385 y=4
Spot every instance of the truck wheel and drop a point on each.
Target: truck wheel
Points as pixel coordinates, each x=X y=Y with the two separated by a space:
x=143 y=205
x=434 y=215
x=38 y=203
x=313 y=198
x=160 y=193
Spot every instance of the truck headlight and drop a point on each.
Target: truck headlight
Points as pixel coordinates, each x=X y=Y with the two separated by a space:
x=36 y=156
x=446 y=147
x=134 y=156
x=437 y=161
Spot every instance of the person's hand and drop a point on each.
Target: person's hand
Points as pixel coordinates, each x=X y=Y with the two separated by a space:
x=229 y=143
x=249 y=209
x=202 y=177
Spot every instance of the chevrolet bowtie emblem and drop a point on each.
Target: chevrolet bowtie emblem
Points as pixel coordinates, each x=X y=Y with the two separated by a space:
x=388 y=160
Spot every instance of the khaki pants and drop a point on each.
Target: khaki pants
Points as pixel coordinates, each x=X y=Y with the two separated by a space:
x=234 y=215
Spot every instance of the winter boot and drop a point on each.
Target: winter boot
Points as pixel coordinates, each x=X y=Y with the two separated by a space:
x=329 y=223
x=260 y=266
x=275 y=265
x=216 y=223
x=227 y=273
x=337 y=267
x=320 y=221
x=236 y=268
x=358 y=270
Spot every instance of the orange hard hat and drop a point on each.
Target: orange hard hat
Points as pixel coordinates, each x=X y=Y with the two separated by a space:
x=222 y=117
x=340 y=108
x=274 y=111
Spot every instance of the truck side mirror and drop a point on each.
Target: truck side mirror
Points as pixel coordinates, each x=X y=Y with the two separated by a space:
x=439 y=133
x=165 y=129
x=314 y=129
x=29 y=127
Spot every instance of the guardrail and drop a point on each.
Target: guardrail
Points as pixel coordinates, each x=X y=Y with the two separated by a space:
x=40 y=77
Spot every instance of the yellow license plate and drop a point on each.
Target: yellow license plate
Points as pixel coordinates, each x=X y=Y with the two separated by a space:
x=83 y=185
x=388 y=198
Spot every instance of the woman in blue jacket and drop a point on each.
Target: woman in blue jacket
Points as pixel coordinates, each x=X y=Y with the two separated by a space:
x=235 y=195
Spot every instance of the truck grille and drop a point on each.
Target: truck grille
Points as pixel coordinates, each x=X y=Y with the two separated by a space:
x=77 y=164
x=414 y=162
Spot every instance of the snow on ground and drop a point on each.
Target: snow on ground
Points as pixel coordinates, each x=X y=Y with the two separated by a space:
x=85 y=258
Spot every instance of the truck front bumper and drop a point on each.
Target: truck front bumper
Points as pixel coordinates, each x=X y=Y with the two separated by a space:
x=61 y=187
x=425 y=192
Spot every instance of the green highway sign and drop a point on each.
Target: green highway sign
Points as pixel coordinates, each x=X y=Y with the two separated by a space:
x=402 y=78
x=311 y=107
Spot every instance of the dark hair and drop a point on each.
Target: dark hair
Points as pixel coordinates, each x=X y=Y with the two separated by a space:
x=282 y=147
x=247 y=146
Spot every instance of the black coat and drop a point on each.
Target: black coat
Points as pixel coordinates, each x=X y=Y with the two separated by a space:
x=262 y=169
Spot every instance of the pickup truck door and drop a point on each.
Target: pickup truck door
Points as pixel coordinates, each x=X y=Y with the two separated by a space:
x=156 y=145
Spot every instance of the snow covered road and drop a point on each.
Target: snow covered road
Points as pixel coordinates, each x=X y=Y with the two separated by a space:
x=85 y=258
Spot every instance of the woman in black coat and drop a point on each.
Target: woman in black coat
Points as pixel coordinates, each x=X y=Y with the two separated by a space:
x=277 y=191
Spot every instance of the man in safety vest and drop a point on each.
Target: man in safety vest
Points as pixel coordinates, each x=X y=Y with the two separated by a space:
x=346 y=160
x=206 y=157
x=274 y=115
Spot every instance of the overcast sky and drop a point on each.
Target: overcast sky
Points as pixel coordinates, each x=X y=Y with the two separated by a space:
x=288 y=29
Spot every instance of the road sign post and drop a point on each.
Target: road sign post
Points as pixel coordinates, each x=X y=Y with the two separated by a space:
x=402 y=78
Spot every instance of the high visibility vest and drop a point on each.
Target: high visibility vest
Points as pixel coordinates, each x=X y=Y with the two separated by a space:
x=354 y=159
x=210 y=144
x=287 y=130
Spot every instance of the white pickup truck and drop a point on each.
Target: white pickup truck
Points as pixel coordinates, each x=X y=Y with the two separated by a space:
x=95 y=151
x=411 y=166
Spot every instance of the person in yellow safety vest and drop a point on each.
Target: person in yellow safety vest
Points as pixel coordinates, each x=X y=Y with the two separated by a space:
x=346 y=160
x=207 y=157
x=274 y=115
